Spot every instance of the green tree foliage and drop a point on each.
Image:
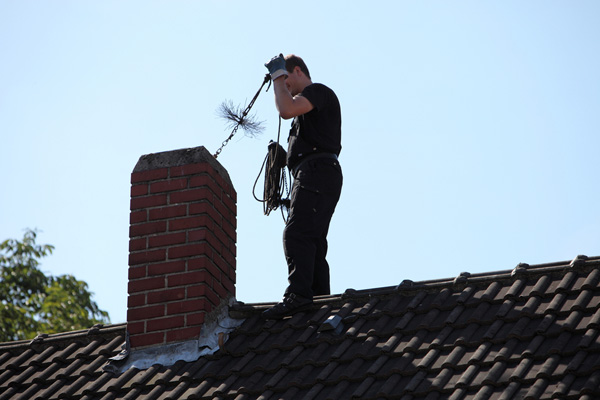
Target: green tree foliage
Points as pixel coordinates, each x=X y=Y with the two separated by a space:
x=32 y=302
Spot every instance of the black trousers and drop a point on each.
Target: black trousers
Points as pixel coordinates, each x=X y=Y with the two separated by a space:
x=315 y=194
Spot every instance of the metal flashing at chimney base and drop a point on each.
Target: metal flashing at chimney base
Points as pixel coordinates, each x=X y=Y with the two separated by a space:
x=218 y=326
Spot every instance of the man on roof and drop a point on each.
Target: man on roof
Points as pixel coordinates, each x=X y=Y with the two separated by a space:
x=314 y=145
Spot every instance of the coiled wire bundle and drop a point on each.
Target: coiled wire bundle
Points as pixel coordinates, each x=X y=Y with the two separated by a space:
x=275 y=182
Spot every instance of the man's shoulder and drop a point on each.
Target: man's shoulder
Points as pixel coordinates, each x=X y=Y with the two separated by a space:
x=318 y=87
x=316 y=91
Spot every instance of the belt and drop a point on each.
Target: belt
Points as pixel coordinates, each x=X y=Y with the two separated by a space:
x=312 y=157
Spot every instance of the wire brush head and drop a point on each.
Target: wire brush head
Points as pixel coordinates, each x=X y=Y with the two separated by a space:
x=237 y=117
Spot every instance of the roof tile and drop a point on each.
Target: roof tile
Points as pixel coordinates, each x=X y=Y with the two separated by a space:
x=533 y=333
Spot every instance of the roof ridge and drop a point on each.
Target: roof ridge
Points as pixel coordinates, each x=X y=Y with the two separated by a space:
x=240 y=309
x=62 y=336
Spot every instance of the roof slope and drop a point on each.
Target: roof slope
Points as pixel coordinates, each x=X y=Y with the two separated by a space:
x=529 y=333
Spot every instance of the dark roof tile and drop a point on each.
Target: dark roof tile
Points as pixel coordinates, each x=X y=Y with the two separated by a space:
x=566 y=282
x=592 y=280
x=20 y=361
x=307 y=334
x=515 y=289
x=198 y=389
x=392 y=342
x=532 y=332
x=224 y=388
x=187 y=371
x=75 y=387
x=41 y=358
x=173 y=393
x=590 y=339
x=165 y=374
x=451 y=357
x=259 y=340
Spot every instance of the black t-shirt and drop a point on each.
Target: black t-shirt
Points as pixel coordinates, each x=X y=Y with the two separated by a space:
x=319 y=130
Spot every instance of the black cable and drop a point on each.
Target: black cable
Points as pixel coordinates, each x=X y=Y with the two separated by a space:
x=275 y=182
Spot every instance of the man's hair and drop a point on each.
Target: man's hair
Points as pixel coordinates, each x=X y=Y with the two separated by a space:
x=292 y=61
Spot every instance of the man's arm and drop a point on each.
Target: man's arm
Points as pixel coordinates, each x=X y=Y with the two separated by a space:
x=288 y=106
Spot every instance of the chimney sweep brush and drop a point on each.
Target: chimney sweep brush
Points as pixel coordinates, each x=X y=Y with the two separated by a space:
x=238 y=117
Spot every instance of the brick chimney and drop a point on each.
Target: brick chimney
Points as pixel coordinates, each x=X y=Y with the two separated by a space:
x=181 y=245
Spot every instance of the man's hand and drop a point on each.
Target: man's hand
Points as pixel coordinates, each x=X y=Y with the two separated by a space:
x=276 y=67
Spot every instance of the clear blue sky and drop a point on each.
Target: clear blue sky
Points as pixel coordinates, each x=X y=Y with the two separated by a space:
x=470 y=129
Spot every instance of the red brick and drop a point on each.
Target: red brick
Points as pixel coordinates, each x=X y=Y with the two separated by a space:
x=168 y=212
x=204 y=207
x=137 y=272
x=165 y=268
x=230 y=204
x=221 y=263
x=196 y=318
x=200 y=263
x=230 y=247
x=136 y=300
x=151 y=175
x=227 y=214
x=200 y=221
x=202 y=180
x=137 y=244
x=229 y=285
x=142 y=285
x=144 y=257
x=145 y=313
x=162 y=324
x=209 y=182
x=147 y=339
x=191 y=195
x=231 y=274
x=222 y=236
x=204 y=263
x=203 y=291
x=187 y=278
x=220 y=290
x=186 y=306
x=147 y=228
x=230 y=218
x=144 y=202
x=190 y=169
x=191 y=250
x=229 y=229
x=163 y=296
x=207 y=250
x=170 y=185
x=189 y=223
x=229 y=192
x=136 y=327
x=139 y=190
x=177 y=335
x=228 y=257
x=219 y=179
x=205 y=235
x=226 y=187
x=167 y=239
x=136 y=217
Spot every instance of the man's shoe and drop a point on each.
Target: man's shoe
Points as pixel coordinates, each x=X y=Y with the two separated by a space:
x=290 y=304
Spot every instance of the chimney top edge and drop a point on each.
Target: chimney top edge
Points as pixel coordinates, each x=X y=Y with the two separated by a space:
x=180 y=157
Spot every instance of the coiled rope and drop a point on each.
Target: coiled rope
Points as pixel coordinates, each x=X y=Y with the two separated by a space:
x=276 y=179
